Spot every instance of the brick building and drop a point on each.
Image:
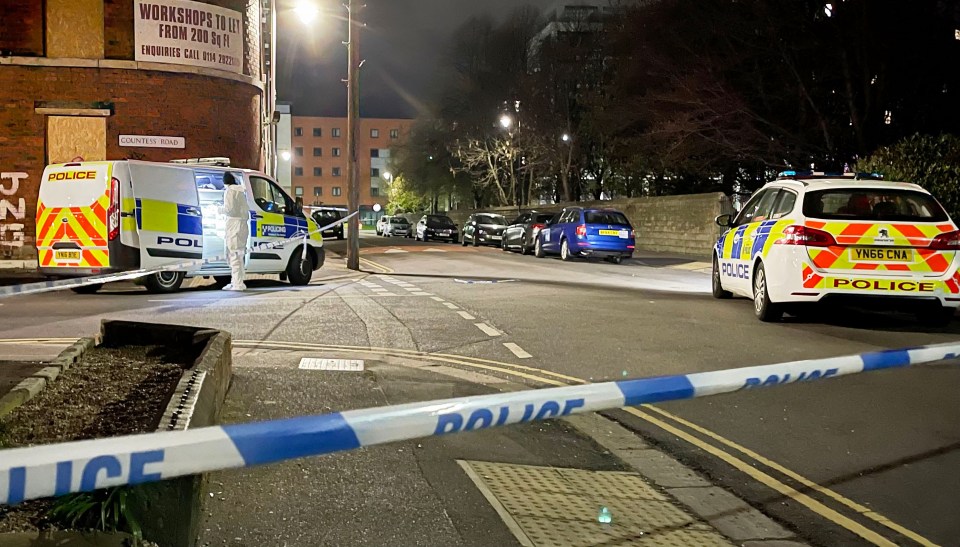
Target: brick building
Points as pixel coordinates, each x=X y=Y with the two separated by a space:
x=76 y=75
x=319 y=160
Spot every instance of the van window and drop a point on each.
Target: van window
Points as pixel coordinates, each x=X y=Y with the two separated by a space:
x=270 y=198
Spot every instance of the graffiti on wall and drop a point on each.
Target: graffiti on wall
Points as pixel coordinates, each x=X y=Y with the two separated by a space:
x=13 y=210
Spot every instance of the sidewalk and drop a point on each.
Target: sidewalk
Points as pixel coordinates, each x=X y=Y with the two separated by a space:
x=530 y=484
x=674 y=261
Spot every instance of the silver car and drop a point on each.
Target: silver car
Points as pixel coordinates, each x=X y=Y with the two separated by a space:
x=396 y=226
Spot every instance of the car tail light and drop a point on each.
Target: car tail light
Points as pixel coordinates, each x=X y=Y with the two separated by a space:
x=582 y=230
x=949 y=241
x=113 y=212
x=802 y=235
x=538 y=226
x=632 y=233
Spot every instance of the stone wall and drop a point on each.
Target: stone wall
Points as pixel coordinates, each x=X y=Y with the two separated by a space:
x=670 y=224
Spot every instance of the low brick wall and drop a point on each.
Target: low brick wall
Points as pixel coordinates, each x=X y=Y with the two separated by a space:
x=670 y=224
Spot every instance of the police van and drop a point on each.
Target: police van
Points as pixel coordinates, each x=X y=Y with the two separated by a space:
x=810 y=238
x=102 y=217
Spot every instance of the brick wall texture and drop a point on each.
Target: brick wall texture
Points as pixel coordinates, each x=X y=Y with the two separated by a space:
x=670 y=224
x=217 y=117
x=27 y=19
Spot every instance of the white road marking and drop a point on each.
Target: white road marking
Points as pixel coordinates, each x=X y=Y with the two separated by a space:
x=421 y=293
x=434 y=251
x=487 y=329
x=436 y=298
x=451 y=305
x=466 y=315
x=517 y=350
x=342 y=365
x=388 y=251
x=411 y=288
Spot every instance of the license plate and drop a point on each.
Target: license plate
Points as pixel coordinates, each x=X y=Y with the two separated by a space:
x=880 y=254
x=498 y=238
x=66 y=256
x=445 y=233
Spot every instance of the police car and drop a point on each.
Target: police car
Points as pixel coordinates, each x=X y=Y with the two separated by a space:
x=807 y=238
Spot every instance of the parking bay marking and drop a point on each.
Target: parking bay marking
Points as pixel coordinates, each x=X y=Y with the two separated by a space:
x=436 y=299
x=466 y=315
x=451 y=305
x=537 y=375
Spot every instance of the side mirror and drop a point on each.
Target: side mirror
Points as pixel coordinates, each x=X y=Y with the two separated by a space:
x=725 y=221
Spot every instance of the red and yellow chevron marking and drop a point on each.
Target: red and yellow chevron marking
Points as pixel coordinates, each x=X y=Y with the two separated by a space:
x=810 y=279
x=86 y=226
x=850 y=234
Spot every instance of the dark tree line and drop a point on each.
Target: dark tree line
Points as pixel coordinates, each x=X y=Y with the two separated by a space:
x=680 y=96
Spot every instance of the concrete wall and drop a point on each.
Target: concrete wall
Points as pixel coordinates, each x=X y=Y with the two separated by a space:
x=669 y=224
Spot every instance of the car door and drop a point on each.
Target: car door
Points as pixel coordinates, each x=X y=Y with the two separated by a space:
x=275 y=218
x=736 y=251
x=511 y=236
x=552 y=233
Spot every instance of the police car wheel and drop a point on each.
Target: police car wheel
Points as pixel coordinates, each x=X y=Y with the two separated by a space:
x=718 y=291
x=538 y=249
x=765 y=310
x=299 y=270
x=87 y=289
x=162 y=282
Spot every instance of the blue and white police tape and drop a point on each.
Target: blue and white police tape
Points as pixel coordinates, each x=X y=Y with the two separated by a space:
x=61 y=284
x=53 y=470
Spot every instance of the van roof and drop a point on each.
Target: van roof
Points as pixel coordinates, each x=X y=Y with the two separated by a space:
x=170 y=164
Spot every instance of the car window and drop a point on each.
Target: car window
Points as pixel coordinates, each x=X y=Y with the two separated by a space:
x=873 y=204
x=492 y=219
x=606 y=217
x=543 y=218
x=784 y=204
x=439 y=222
x=270 y=198
x=398 y=220
x=326 y=217
x=759 y=207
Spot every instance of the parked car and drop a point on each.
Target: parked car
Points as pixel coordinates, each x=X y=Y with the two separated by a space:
x=484 y=228
x=577 y=231
x=522 y=232
x=328 y=215
x=397 y=226
x=381 y=224
x=437 y=227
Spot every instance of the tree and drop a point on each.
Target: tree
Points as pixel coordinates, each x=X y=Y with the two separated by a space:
x=403 y=199
x=931 y=162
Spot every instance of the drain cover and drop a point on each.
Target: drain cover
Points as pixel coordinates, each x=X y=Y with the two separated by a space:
x=341 y=365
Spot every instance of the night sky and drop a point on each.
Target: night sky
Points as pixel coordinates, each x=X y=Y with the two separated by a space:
x=402 y=46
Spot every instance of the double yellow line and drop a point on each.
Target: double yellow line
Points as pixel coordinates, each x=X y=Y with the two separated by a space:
x=646 y=413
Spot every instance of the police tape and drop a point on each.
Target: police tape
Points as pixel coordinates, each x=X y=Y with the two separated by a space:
x=58 y=469
x=60 y=284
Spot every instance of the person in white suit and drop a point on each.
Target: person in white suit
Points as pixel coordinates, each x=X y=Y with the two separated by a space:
x=238 y=227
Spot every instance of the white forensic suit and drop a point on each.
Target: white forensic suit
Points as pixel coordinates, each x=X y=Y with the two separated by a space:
x=238 y=228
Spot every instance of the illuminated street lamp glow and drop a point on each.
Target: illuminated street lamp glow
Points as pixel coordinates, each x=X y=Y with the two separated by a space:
x=565 y=137
x=307 y=12
x=285 y=155
x=388 y=176
x=506 y=121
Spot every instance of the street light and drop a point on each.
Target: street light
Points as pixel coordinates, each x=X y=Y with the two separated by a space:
x=285 y=155
x=506 y=121
x=388 y=176
x=565 y=137
x=307 y=12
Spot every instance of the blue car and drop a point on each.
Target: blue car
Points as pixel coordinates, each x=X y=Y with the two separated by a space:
x=577 y=231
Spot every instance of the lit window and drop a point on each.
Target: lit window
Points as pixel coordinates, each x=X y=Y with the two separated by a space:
x=335 y=132
x=394 y=133
x=374 y=133
x=336 y=152
x=297 y=131
x=298 y=191
x=888 y=117
x=336 y=191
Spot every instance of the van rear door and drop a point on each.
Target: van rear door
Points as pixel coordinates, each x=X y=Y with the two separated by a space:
x=169 y=217
x=72 y=218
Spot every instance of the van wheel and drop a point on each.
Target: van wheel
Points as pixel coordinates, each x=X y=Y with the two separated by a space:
x=299 y=270
x=87 y=289
x=162 y=282
x=764 y=309
x=718 y=291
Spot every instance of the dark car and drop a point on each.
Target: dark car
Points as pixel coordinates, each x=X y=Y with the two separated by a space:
x=522 y=232
x=577 y=231
x=484 y=228
x=328 y=215
x=437 y=227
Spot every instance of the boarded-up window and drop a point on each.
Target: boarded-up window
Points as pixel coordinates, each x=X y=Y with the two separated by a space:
x=76 y=138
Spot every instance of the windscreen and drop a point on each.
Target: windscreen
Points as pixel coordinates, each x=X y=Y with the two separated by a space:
x=491 y=219
x=326 y=217
x=439 y=222
x=399 y=220
x=606 y=217
x=873 y=204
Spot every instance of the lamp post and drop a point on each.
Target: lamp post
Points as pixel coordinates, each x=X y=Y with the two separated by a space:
x=307 y=12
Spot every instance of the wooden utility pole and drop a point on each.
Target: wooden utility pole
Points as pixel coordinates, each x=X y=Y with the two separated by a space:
x=353 y=127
